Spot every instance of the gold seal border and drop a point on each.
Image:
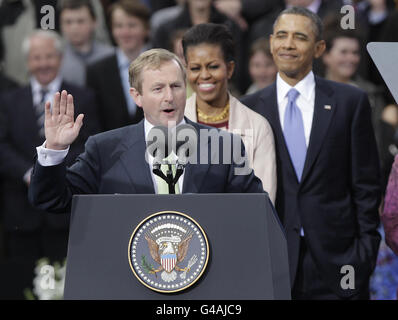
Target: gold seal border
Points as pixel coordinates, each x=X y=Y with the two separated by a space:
x=157 y=214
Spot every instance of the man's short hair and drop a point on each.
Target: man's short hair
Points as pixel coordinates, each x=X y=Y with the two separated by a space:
x=77 y=4
x=131 y=8
x=151 y=59
x=316 y=21
x=47 y=34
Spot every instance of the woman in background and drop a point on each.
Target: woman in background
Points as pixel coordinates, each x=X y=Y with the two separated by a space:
x=389 y=216
x=341 y=59
x=262 y=68
x=209 y=55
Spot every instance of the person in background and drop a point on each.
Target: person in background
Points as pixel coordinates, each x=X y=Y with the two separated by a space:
x=341 y=59
x=109 y=76
x=5 y=85
x=209 y=54
x=157 y=79
x=32 y=233
x=389 y=216
x=176 y=48
x=262 y=68
x=328 y=168
x=78 y=25
x=196 y=12
x=21 y=17
x=166 y=14
x=8 y=14
x=264 y=25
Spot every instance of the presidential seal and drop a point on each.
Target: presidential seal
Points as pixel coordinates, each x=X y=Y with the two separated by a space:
x=168 y=251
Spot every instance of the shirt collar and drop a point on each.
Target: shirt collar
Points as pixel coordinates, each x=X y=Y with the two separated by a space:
x=122 y=59
x=52 y=87
x=84 y=55
x=305 y=87
x=148 y=126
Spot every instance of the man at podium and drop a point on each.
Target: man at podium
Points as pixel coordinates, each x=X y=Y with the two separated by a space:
x=114 y=161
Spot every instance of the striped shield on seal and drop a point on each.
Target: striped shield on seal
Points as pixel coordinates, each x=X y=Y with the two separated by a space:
x=168 y=261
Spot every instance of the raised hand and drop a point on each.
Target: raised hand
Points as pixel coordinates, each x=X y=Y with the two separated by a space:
x=60 y=128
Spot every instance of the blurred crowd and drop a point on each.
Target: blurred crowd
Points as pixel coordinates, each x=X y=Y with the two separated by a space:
x=89 y=53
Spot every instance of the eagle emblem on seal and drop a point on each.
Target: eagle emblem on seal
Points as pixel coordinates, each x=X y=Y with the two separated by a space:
x=168 y=251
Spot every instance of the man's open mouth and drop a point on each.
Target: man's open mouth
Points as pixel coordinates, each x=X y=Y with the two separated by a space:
x=168 y=110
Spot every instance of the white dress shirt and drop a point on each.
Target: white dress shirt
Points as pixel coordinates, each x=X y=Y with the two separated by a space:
x=53 y=87
x=48 y=157
x=305 y=101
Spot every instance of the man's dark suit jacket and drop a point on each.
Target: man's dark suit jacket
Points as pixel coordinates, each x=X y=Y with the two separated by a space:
x=114 y=162
x=18 y=141
x=337 y=200
x=6 y=83
x=104 y=78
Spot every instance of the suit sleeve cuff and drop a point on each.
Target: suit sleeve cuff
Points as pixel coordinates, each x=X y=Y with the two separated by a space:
x=48 y=157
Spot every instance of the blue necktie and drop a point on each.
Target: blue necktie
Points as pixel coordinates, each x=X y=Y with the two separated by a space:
x=293 y=130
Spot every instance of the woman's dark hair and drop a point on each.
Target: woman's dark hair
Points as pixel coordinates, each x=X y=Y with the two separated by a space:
x=210 y=33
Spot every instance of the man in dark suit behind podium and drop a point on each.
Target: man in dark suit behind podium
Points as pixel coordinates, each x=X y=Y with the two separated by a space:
x=114 y=161
x=327 y=166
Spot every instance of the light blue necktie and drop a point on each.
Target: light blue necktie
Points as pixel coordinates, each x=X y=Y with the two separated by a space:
x=293 y=130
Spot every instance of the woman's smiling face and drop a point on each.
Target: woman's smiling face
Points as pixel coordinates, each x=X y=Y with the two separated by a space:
x=208 y=72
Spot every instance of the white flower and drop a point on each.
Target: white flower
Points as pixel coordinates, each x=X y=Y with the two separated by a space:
x=49 y=281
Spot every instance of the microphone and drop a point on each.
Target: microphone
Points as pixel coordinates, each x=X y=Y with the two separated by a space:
x=184 y=145
x=182 y=140
x=159 y=148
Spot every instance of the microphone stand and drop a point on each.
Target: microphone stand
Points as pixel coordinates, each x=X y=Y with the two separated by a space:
x=171 y=182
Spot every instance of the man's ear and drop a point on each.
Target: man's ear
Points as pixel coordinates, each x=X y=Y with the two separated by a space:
x=136 y=96
x=320 y=48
